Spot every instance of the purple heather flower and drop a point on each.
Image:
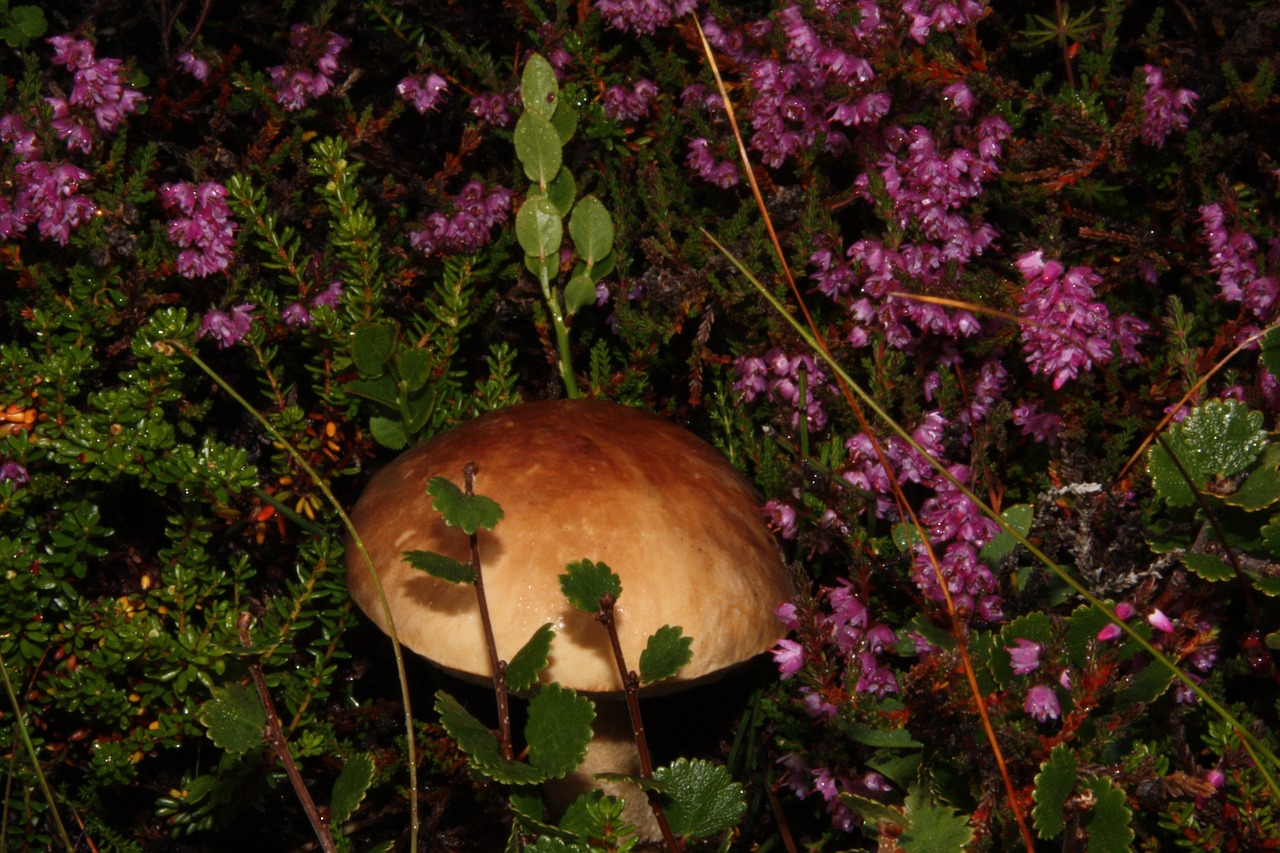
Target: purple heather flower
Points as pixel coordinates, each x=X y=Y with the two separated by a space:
x=23 y=140
x=1159 y=621
x=1234 y=258
x=643 y=17
x=629 y=103
x=722 y=173
x=475 y=213
x=14 y=472
x=425 y=91
x=781 y=517
x=48 y=196
x=203 y=230
x=1164 y=110
x=329 y=297
x=1042 y=703
x=298 y=86
x=230 y=328
x=1124 y=610
x=960 y=97
x=193 y=65
x=98 y=87
x=789 y=656
x=1024 y=655
x=296 y=315
x=71 y=52
x=491 y=108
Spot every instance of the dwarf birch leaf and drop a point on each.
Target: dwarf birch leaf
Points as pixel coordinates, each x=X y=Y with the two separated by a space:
x=1147 y=686
x=414 y=368
x=1019 y=517
x=470 y=512
x=886 y=738
x=481 y=746
x=371 y=347
x=539 y=229
x=440 y=566
x=579 y=293
x=701 y=799
x=350 y=787
x=1208 y=567
x=522 y=671
x=1054 y=783
x=934 y=828
x=381 y=390
x=584 y=582
x=235 y=718
x=539 y=91
x=558 y=730
x=1219 y=439
x=557 y=845
x=666 y=652
x=591 y=228
x=539 y=148
x=872 y=811
x=1110 y=826
x=25 y=23
x=388 y=433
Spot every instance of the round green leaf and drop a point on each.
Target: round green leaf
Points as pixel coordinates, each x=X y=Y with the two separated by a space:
x=584 y=582
x=565 y=121
x=1219 y=439
x=591 y=228
x=538 y=147
x=539 y=91
x=235 y=718
x=539 y=227
x=562 y=191
x=470 y=512
x=579 y=293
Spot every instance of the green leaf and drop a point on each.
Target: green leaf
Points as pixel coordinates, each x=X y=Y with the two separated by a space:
x=388 y=433
x=558 y=730
x=1035 y=626
x=470 y=512
x=562 y=191
x=414 y=368
x=522 y=671
x=1018 y=517
x=540 y=230
x=371 y=347
x=1082 y=632
x=667 y=651
x=350 y=787
x=25 y=23
x=539 y=91
x=1261 y=488
x=539 y=148
x=701 y=798
x=890 y=738
x=235 y=718
x=1270 y=357
x=481 y=746
x=593 y=815
x=584 y=582
x=1219 y=439
x=591 y=228
x=558 y=845
x=1110 y=826
x=1054 y=783
x=381 y=390
x=579 y=293
x=1147 y=686
x=934 y=828
x=874 y=812
x=440 y=566
x=1208 y=567
x=565 y=121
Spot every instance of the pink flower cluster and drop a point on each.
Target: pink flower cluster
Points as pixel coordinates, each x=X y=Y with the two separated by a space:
x=298 y=85
x=228 y=327
x=1164 y=110
x=629 y=103
x=1041 y=702
x=48 y=197
x=475 y=214
x=805 y=781
x=204 y=229
x=99 y=88
x=1070 y=330
x=425 y=91
x=643 y=17
x=722 y=173
x=1234 y=259
x=777 y=377
x=298 y=313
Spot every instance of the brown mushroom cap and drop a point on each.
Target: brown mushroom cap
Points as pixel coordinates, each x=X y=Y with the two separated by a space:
x=575 y=479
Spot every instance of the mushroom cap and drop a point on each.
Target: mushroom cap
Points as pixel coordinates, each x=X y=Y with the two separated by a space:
x=576 y=479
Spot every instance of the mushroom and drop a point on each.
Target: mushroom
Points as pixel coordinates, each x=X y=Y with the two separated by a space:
x=577 y=479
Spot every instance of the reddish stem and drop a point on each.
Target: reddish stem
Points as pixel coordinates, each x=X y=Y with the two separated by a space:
x=498 y=666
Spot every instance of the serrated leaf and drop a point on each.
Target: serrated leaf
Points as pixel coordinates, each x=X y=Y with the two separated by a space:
x=481 y=746
x=1054 y=783
x=540 y=230
x=593 y=814
x=1148 y=685
x=584 y=582
x=539 y=147
x=539 y=91
x=25 y=23
x=1019 y=517
x=522 y=671
x=558 y=730
x=1110 y=824
x=371 y=347
x=1219 y=439
x=874 y=812
x=558 y=845
x=889 y=738
x=666 y=652
x=440 y=566
x=1261 y=488
x=1208 y=567
x=579 y=293
x=591 y=228
x=234 y=718
x=1082 y=632
x=350 y=787
x=469 y=512
x=701 y=798
x=934 y=828
x=390 y=434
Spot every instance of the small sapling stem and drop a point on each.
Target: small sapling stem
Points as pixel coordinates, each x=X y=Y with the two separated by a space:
x=498 y=666
x=631 y=685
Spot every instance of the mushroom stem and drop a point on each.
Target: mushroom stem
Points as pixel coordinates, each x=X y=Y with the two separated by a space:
x=631 y=684
x=498 y=667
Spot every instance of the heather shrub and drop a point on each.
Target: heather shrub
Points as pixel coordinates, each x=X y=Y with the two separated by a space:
x=1044 y=242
